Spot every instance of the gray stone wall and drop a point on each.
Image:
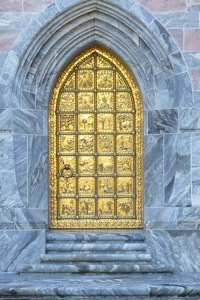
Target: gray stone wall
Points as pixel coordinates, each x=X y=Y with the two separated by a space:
x=171 y=113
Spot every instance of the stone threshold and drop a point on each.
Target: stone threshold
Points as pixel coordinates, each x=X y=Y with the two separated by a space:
x=87 y=286
x=98 y=231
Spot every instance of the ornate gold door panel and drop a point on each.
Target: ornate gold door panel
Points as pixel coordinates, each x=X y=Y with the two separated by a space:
x=95 y=145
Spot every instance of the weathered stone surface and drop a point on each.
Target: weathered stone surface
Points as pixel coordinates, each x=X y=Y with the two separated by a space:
x=162 y=217
x=13 y=5
x=179 y=20
x=193 y=5
x=195 y=73
x=195 y=169
x=162 y=5
x=7 y=39
x=192 y=59
x=35 y=5
x=153 y=166
x=21 y=164
x=192 y=37
x=188 y=218
x=31 y=218
x=177 y=247
x=162 y=121
x=37 y=172
x=13 y=20
x=177 y=174
x=189 y=119
x=109 y=287
x=9 y=194
x=177 y=34
x=28 y=122
x=15 y=252
x=171 y=171
x=7 y=220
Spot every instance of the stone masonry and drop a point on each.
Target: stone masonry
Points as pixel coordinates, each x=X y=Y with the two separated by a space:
x=159 y=41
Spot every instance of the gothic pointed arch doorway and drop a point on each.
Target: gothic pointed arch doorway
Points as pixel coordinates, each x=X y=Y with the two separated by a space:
x=95 y=145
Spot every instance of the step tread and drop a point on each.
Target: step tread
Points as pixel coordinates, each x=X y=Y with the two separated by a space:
x=101 y=257
x=95 y=268
x=95 y=237
x=110 y=286
x=95 y=246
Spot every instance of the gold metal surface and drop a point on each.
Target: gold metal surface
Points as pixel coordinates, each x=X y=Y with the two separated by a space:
x=95 y=145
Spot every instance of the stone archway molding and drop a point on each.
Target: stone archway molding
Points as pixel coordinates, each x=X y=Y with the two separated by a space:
x=67 y=27
x=45 y=47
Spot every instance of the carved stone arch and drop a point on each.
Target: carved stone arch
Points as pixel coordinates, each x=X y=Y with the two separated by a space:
x=126 y=28
x=60 y=32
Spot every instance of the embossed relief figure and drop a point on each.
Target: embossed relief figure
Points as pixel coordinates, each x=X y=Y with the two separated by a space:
x=96 y=151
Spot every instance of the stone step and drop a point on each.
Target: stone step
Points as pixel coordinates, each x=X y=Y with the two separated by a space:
x=95 y=247
x=97 y=287
x=94 y=237
x=94 y=268
x=95 y=257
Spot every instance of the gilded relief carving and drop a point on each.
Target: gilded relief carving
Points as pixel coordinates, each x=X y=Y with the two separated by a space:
x=125 y=165
x=86 y=165
x=67 y=208
x=124 y=101
x=125 y=143
x=124 y=185
x=125 y=207
x=67 y=122
x=66 y=160
x=106 y=165
x=86 y=122
x=125 y=122
x=102 y=63
x=105 y=186
x=86 y=186
x=86 y=80
x=70 y=84
x=105 y=79
x=106 y=207
x=95 y=145
x=86 y=143
x=67 y=144
x=87 y=207
x=67 y=187
x=105 y=143
x=120 y=82
x=105 y=101
x=86 y=101
x=67 y=101
x=87 y=64
x=105 y=122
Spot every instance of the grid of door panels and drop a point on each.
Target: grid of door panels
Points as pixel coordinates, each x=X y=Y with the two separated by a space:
x=96 y=138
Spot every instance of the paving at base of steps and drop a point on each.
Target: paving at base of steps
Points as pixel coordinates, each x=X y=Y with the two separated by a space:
x=95 y=286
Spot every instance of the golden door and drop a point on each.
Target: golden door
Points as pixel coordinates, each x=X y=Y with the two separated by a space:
x=95 y=145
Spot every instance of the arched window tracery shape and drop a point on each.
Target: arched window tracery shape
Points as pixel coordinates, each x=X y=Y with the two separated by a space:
x=96 y=145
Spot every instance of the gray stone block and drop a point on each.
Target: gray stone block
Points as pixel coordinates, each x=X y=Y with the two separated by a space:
x=6 y=125
x=189 y=119
x=179 y=20
x=153 y=171
x=21 y=165
x=37 y=172
x=28 y=122
x=163 y=121
x=31 y=218
x=15 y=252
x=177 y=172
